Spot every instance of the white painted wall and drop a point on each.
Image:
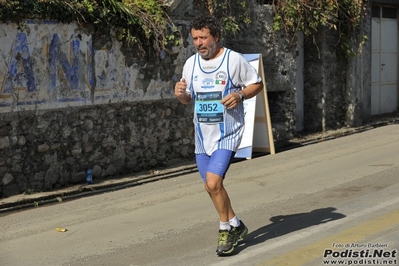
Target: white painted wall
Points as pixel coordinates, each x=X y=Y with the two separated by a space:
x=52 y=65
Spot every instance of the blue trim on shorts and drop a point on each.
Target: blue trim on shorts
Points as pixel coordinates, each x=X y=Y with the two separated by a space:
x=218 y=163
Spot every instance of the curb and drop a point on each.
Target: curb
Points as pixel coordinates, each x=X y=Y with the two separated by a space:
x=35 y=200
x=80 y=191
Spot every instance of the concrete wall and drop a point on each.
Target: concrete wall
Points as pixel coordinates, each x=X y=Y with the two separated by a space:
x=51 y=65
x=337 y=88
x=324 y=84
x=358 y=77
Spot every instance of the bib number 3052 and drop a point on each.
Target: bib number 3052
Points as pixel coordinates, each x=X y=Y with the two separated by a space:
x=208 y=107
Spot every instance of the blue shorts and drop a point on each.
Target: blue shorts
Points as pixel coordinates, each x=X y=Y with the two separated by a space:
x=218 y=163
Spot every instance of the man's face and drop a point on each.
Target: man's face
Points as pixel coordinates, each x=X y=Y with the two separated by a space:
x=205 y=43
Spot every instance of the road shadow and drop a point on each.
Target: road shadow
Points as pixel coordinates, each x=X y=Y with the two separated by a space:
x=286 y=224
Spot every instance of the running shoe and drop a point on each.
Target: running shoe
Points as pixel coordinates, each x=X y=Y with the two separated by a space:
x=241 y=231
x=226 y=242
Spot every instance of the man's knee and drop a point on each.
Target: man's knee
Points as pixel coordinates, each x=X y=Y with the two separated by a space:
x=214 y=183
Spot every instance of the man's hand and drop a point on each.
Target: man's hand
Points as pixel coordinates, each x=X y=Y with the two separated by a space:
x=180 y=91
x=231 y=100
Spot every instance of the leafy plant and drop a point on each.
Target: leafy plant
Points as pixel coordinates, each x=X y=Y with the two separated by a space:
x=234 y=14
x=308 y=16
x=144 y=23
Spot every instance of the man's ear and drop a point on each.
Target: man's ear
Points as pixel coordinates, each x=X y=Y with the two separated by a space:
x=217 y=37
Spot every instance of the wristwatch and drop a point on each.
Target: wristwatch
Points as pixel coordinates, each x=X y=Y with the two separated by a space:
x=242 y=98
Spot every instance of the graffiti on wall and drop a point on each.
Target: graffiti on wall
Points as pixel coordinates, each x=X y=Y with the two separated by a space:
x=54 y=66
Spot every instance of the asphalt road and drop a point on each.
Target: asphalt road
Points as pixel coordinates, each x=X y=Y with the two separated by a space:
x=334 y=200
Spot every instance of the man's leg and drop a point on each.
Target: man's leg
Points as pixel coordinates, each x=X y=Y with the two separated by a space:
x=227 y=238
x=220 y=198
x=222 y=204
x=213 y=169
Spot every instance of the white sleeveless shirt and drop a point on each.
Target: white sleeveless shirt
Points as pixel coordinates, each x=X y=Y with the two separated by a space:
x=208 y=82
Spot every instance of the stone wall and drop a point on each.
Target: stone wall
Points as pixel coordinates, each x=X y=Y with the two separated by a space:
x=279 y=54
x=70 y=101
x=50 y=149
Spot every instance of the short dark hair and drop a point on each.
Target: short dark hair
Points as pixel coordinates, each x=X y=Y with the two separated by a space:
x=207 y=22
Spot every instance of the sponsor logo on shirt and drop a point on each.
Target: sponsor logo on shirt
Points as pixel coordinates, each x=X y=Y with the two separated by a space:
x=208 y=83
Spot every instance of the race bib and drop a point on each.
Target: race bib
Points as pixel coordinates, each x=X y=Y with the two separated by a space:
x=208 y=107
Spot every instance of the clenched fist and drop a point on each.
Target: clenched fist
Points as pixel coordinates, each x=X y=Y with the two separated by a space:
x=180 y=91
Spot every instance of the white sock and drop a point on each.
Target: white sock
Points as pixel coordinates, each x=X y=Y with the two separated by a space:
x=225 y=226
x=235 y=221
